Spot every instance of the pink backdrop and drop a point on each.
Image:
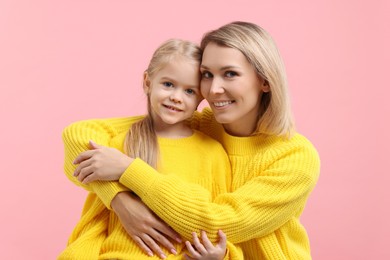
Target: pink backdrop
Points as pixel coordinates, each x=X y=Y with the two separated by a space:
x=62 y=61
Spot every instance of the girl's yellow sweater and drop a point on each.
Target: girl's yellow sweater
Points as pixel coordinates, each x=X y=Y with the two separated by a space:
x=197 y=159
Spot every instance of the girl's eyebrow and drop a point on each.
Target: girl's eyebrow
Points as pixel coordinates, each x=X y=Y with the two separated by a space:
x=167 y=78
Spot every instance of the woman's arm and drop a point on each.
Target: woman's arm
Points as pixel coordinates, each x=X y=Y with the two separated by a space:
x=76 y=139
x=257 y=208
x=149 y=228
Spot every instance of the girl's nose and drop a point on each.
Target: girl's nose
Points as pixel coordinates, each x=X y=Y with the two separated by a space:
x=176 y=97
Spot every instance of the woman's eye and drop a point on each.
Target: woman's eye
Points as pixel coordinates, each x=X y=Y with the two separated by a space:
x=230 y=74
x=167 y=84
x=206 y=75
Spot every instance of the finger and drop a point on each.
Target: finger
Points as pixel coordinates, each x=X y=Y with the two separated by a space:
x=187 y=257
x=222 y=239
x=192 y=250
x=153 y=246
x=206 y=241
x=83 y=156
x=199 y=246
x=160 y=238
x=94 y=145
x=90 y=178
x=143 y=246
x=163 y=228
x=81 y=166
x=84 y=173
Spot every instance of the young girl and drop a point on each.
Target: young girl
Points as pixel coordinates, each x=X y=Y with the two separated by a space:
x=161 y=139
x=274 y=168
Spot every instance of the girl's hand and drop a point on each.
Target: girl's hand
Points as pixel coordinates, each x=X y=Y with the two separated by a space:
x=101 y=163
x=205 y=250
x=143 y=226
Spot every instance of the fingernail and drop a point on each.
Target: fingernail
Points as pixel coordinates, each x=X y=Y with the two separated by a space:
x=178 y=239
x=173 y=251
x=163 y=256
x=150 y=254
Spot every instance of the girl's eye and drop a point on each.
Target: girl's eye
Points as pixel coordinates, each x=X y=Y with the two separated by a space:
x=230 y=74
x=190 y=91
x=206 y=75
x=167 y=84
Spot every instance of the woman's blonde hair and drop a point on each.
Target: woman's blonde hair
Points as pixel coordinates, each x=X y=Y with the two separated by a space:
x=141 y=140
x=275 y=116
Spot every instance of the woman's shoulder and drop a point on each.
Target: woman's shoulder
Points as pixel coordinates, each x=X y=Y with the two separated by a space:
x=301 y=141
x=203 y=117
x=297 y=144
x=205 y=122
x=112 y=125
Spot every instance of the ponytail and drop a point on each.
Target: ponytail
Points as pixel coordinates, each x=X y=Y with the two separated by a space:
x=141 y=141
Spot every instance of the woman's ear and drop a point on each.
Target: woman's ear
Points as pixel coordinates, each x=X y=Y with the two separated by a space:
x=265 y=87
x=146 y=83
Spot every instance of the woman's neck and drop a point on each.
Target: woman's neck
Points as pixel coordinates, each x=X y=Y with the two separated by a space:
x=239 y=130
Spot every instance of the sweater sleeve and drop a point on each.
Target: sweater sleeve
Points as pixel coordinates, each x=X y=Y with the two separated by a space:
x=257 y=208
x=76 y=139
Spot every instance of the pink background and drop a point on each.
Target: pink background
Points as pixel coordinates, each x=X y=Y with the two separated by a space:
x=62 y=61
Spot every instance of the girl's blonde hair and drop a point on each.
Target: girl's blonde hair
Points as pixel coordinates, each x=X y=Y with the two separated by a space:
x=275 y=116
x=141 y=140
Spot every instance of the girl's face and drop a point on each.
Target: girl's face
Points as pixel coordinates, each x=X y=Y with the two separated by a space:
x=232 y=88
x=174 y=93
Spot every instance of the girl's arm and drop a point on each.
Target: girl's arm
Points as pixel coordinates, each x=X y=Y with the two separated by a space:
x=203 y=249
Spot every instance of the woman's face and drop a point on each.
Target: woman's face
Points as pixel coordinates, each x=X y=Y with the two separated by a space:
x=232 y=88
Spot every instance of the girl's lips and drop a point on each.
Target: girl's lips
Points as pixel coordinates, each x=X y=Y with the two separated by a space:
x=173 y=108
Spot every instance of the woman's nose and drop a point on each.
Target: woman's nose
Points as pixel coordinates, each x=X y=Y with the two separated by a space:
x=216 y=86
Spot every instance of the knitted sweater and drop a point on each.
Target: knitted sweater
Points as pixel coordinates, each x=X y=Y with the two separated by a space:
x=272 y=178
x=197 y=159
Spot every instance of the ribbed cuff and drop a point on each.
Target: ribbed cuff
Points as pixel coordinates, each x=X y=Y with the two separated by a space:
x=139 y=177
x=107 y=190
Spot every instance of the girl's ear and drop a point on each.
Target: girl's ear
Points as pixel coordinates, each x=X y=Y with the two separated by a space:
x=146 y=83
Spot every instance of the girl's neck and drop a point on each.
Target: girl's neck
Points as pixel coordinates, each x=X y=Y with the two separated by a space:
x=174 y=131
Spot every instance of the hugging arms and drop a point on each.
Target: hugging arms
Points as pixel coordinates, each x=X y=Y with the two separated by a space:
x=267 y=200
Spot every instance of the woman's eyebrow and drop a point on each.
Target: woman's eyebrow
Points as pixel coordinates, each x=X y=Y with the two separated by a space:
x=223 y=68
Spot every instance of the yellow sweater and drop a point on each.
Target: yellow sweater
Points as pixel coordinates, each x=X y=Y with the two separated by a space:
x=197 y=159
x=272 y=178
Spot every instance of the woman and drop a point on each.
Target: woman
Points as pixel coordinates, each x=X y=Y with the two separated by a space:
x=274 y=169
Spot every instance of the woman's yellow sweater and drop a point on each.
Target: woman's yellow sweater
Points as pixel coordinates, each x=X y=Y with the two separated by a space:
x=197 y=159
x=272 y=178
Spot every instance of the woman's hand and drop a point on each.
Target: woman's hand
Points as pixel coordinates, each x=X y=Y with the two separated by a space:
x=101 y=163
x=143 y=226
x=205 y=250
